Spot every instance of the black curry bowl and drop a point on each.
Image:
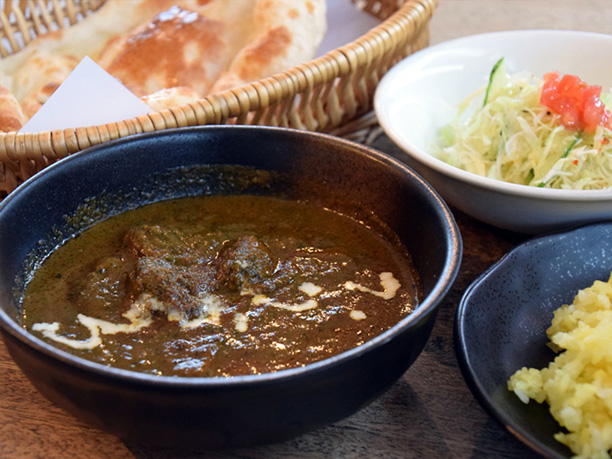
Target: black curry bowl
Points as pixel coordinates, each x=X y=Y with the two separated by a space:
x=220 y=413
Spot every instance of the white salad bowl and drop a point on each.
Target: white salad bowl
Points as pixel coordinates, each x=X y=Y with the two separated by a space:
x=421 y=93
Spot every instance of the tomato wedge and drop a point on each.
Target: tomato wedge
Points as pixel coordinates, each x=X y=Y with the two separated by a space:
x=578 y=104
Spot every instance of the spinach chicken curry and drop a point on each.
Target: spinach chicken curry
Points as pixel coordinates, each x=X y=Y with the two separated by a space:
x=220 y=286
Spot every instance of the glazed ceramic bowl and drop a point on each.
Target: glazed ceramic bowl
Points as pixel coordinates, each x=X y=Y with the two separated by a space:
x=215 y=413
x=420 y=95
x=503 y=316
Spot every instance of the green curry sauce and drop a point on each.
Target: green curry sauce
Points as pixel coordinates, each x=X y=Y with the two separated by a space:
x=220 y=286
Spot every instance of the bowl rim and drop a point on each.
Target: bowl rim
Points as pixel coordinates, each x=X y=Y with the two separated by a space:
x=429 y=304
x=478 y=181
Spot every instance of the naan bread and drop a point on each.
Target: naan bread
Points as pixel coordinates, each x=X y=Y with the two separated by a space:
x=153 y=46
x=286 y=33
x=170 y=97
x=39 y=62
x=39 y=77
x=178 y=47
x=11 y=116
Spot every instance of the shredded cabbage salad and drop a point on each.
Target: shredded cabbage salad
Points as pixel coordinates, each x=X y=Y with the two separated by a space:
x=504 y=131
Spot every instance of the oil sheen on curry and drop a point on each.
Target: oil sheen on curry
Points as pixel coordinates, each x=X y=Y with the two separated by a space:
x=220 y=286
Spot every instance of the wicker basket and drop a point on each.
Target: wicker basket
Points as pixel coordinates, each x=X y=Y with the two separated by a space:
x=332 y=93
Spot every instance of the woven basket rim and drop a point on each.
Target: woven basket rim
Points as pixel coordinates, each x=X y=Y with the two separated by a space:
x=385 y=31
x=331 y=93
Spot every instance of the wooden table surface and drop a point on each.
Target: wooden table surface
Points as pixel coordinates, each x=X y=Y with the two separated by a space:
x=430 y=412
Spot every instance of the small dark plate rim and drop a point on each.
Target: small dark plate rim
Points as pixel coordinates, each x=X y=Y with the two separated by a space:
x=464 y=353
